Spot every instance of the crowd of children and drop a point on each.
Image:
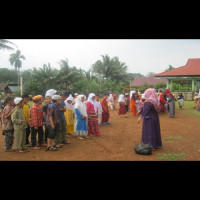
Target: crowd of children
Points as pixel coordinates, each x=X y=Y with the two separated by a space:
x=50 y=120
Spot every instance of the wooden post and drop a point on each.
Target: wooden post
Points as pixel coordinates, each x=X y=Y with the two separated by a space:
x=21 y=85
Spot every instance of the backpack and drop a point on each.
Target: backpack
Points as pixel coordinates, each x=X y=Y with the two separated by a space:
x=143 y=149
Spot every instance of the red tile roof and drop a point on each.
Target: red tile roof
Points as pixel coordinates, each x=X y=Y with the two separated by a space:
x=151 y=80
x=192 y=68
x=3 y=86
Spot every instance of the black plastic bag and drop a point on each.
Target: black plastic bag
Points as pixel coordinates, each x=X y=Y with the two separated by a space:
x=143 y=149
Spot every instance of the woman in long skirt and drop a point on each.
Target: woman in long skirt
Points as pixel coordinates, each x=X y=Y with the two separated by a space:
x=170 y=99
x=81 y=115
x=69 y=116
x=151 y=125
x=133 y=104
x=105 y=110
x=92 y=111
x=121 y=110
x=162 y=102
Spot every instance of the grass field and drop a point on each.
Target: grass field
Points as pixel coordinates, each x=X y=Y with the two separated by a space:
x=188 y=107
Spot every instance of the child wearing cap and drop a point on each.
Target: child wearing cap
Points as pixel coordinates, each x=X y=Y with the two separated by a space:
x=52 y=122
x=20 y=126
x=36 y=122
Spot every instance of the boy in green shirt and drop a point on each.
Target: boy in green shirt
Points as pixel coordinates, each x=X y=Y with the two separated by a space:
x=20 y=126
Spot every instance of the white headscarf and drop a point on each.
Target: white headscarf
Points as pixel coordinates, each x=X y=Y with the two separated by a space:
x=80 y=105
x=93 y=102
x=50 y=92
x=198 y=96
x=110 y=97
x=69 y=106
x=121 y=98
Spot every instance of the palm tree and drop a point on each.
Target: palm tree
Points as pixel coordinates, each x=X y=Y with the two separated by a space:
x=3 y=44
x=109 y=69
x=15 y=60
x=67 y=75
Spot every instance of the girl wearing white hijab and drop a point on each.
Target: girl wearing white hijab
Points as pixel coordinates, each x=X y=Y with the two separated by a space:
x=110 y=102
x=81 y=116
x=92 y=110
x=121 y=101
x=69 y=115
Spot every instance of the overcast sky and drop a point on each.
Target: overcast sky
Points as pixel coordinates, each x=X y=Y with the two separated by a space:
x=140 y=55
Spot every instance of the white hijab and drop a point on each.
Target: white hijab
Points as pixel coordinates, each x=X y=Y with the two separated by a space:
x=121 y=98
x=93 y=102
x=110 y=97
x=69 y=106
x=50 y=92
x=80 y=105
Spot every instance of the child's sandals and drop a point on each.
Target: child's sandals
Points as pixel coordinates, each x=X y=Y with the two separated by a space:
x=50 y=148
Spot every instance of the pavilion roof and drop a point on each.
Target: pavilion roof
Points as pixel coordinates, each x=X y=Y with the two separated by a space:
x=192 y=68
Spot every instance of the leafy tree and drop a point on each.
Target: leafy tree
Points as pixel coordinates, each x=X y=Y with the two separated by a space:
x=170 y=68
x=160 y=85
x=8 y=76
x=67 y=75
x=3 y=44
x=150 y=74
x=109 y=69
x=41 y=79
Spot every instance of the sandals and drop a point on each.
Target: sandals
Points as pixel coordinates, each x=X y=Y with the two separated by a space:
x=35 y=148
x=86 y=137
x=20 y=151
x=50 y=148
x=80 y=138
x=57 y=146
x=25 y=149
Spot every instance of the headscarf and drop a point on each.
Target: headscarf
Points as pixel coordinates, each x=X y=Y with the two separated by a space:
x=69 y=106
x=152 y=97
x=80 y=105
x=198 y=96
x=93 y=102
x=168 y=92
x=121 y=98
x=50 y=92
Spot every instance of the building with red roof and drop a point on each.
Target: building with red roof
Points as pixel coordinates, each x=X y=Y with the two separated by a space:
x=187 y=76
x=151 y=80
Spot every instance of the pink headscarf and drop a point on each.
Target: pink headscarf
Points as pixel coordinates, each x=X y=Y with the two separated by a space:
x=152 y=97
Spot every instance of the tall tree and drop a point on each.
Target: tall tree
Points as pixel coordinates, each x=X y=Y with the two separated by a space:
x=109 y=69
x=3 y=44
x=67 y=75
x=15 y=59
x=170 y=68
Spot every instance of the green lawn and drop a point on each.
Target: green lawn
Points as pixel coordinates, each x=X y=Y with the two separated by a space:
x=188 y=107
x=171 y=156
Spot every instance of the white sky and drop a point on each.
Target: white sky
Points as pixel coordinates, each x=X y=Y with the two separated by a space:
x=140 y=55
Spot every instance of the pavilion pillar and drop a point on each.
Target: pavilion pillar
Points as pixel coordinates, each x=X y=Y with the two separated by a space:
x=168 y=83
x=193 y=85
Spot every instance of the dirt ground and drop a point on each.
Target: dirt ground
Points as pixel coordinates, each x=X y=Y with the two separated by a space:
x=118 y=139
